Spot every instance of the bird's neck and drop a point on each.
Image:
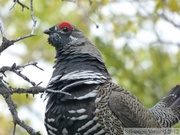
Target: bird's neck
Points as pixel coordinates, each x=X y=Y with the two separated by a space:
x=68 y=62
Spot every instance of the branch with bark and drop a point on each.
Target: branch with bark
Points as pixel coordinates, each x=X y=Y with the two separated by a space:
x=7 y=43
x=6 y=93
x=5 y=90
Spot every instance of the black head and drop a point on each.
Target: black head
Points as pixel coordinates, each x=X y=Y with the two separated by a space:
x=63 y=34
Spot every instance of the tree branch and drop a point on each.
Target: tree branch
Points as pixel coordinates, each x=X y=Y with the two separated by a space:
x=7 y=43
x=30 y=90
x=1 y=30
x=83 y=9
x=32 y=17
x=21 y=4
x=12 y=108
x=5 y=90
x=17 y=70
x=169 y=20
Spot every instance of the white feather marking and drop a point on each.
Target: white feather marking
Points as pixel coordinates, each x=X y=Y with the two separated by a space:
x=97 y=110
x=50 y=120
x=50 y=127
x=82 y=110
x=47 y=109
x=82 y=75
x=79 y=118
x=50 y=132
x=49 y=85
x=64 y=131
x=98 y=99
x=73 y=38
x=100 y=132
x=72 y=111
x=53 y=79
x=92 y=129
x=86 y=125
x=95 y=118
x=106 y=97
x=88 y=95
x=93 y=82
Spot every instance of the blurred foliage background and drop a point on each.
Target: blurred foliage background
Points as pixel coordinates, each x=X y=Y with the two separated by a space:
x=138 y=39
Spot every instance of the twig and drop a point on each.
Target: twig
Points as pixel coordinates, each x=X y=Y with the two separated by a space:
x=23 y=37
x=169 y=20
x=7 y=43
x=2 y=30
x=21 y=4
x=23 y=76
x=12 y=108
x=30 y=90
x=17 y=70
x=19 y=67
x=32 y=17
x=84 y=10
x=15 y=1
x=30 y=63
x=57 y=91
x=14 y=129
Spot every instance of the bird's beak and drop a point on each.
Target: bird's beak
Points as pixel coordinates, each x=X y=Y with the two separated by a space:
x=47 y=31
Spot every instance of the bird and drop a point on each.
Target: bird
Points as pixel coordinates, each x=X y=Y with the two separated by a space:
x=82 y=98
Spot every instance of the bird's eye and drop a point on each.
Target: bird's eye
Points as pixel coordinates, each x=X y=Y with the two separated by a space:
x=65 y=29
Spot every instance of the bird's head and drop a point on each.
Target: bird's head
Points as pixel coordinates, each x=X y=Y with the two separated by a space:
x=62 y=34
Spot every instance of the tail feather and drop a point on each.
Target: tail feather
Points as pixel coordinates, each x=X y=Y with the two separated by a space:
x=172 y=99
x=167 y=111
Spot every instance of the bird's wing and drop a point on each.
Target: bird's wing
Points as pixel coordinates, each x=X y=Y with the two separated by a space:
x=129 y=109
x=167 y=110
